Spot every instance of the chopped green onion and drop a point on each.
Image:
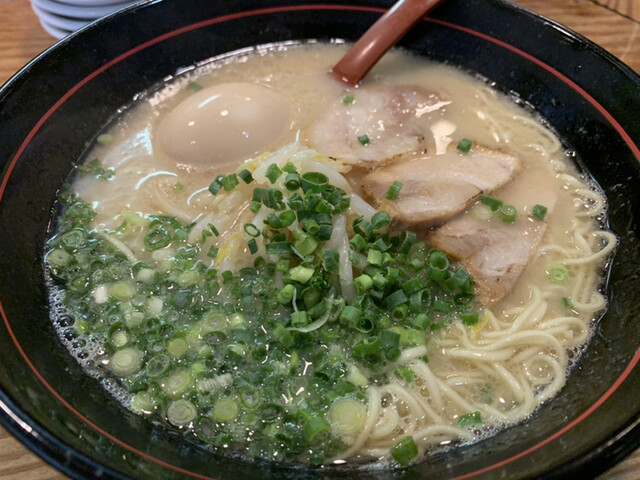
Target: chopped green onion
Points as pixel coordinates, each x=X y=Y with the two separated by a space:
x=253 y=246
x=195 y=86
x=177 y=347
x=459 y=280
x=381 y=245
x=299 y=319
x=251 y=230
x=464 y=145
x=438 y=265
x=363 y=283
x=157 y=238
x=358 y=242
x=421 y=321
x=396 y=299
x=105 y=139
x=392 y=275
x=255 y=206
x=283 y=265
x=363 y=139
x=314 y=182
x=246 y=176
x=292 y=181
x=177 y=383
x=389 y=339
x=507 y=213
x=229 y=182
x=284 y=336
x=289 y=168
x=73 y=239
x=324 y=232
x=301 y=274
x=215 y=186
x=348 y=99
x=273 y=220
x=362 y=227
x=278 y=247
x=273 y=173
x=314 y=426
x=225 y=409
x=270 y=197
x=305 y=244
x=142 y=402
x=558 y=274
x=285 y=295
x=566 y=301
x=369 y=346
x=407 y=239
x=59 y=258
x=125 y=362
x=469 y=318
x=493 y=203
x=158 y=365
x=123 y=291
x=188 y=278
x=400 y=312
x=181 y=412
x=96 y=168
x=81 y=327
x=406 y=373
x=330 y=259
x=470 y=419
x=416 y=264
x=414 y=284
x=374 y=257
x=350 y=315
x=380 y=220
x=441 y=305
x=404 y=451
x=393 y=190
x=250 y=397
x=347 y=416
x=539 y=211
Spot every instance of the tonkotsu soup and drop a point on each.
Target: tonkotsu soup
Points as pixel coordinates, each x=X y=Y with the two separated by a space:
x=286 y=269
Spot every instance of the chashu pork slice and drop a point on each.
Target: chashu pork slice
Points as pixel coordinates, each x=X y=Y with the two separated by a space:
x=379 y=124
x=437 y=187
x=495 y=253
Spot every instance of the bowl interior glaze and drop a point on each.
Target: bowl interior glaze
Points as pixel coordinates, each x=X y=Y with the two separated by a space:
x=55 y=106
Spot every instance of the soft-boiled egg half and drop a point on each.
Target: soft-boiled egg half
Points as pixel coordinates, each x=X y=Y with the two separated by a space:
x=224 y=123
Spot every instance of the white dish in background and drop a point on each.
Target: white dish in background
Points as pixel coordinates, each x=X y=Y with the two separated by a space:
x=75 y=11
x=96 y=3
x=59 y=22
x=53 y=31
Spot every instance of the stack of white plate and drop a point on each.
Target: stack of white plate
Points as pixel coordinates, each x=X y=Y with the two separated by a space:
x=61 y=17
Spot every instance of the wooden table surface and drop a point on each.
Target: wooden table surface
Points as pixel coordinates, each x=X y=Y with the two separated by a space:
x=613 y=24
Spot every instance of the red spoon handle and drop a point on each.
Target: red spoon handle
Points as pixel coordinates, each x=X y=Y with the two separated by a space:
x=382 y=35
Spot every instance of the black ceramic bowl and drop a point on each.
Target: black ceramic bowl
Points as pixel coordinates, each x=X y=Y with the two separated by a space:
x=53 y=108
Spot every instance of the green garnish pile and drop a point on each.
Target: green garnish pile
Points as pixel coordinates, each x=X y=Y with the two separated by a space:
x=270 y=361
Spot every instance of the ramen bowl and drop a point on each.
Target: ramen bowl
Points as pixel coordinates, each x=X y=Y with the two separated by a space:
x=53 y=109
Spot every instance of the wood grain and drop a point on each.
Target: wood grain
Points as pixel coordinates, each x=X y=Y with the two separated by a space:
x=609 y=23
x=628 y=8
x=615 y=33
